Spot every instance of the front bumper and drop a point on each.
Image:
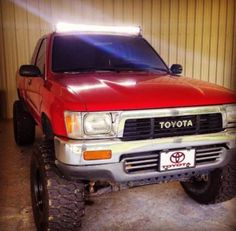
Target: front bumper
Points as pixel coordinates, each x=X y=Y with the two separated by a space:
x=69 y=155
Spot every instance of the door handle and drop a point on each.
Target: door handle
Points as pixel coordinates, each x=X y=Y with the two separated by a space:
x=29 y=81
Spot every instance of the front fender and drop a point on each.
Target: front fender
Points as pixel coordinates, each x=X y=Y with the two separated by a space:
x=56 y=100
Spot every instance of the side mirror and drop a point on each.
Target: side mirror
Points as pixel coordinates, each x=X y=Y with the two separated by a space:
x=176 y=69
x=30 y=70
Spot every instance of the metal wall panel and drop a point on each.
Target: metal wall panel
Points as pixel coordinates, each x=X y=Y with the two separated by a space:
x=199 y=34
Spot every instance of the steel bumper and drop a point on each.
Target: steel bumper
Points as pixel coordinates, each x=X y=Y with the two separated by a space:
x=69 y=155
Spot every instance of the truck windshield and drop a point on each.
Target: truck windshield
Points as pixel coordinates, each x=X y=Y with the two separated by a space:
x=78 y=53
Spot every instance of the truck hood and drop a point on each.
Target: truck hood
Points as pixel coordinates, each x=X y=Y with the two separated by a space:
x=104 y=91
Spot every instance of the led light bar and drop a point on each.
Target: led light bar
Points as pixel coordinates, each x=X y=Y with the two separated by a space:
x=67 y=27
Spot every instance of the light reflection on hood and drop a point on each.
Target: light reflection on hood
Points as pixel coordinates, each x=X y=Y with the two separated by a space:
x=102 y=84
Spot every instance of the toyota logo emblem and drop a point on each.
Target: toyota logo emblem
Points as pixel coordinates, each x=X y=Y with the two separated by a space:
x=177 y=157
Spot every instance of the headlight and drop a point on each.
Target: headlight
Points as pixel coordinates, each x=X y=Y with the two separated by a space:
x=97 y=123
x=82 y=125
x=231 y=115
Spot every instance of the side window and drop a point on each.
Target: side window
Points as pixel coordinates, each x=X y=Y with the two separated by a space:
x=40 y=60
x=36 y=49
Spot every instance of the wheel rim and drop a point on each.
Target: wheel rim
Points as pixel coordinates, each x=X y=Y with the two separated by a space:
x=38 y=193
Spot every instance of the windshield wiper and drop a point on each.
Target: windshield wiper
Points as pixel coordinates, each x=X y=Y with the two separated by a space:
x=82 y=70
x=139 y=67
x=157 y=69
x=74 y=70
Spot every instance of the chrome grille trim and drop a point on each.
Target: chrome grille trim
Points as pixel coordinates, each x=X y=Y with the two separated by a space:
x=150 y=128
x=149 y=161
x=167 y=112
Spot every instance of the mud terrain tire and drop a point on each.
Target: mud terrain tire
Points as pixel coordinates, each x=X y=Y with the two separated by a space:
x=24 y=125
x=219 y=186
x=58 y=204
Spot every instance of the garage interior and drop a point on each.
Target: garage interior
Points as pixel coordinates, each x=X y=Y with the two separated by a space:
x=199 y=34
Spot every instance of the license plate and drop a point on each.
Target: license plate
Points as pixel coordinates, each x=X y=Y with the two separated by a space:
x=178 y=159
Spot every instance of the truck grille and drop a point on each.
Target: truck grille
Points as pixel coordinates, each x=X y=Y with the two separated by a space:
x=150 y=128
x=149 y=161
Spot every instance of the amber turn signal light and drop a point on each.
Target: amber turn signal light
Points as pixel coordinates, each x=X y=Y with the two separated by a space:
x=68 y=120
x=97 y=155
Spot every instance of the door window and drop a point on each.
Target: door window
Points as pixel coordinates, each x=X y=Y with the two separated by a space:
x=40 y=61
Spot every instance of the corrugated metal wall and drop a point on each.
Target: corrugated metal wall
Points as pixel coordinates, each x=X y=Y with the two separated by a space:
x=199 y=34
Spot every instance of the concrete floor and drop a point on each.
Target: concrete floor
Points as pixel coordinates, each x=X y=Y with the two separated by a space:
x=155 y=207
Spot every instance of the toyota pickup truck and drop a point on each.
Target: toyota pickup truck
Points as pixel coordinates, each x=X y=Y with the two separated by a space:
x=115 y=116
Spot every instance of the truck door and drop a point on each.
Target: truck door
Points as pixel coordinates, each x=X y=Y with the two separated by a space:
x=34 y=84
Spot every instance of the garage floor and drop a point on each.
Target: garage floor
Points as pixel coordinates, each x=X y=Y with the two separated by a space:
x=155 y=207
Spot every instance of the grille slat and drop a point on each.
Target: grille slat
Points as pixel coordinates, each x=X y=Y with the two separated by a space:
x=131 y=129
x=208 y=149
x=140 y=167
x=208 y=153
x=141 y=162
x=149 y=161
x=141 y=131
x=141 y=157
x=150 y=128
x=207 y=158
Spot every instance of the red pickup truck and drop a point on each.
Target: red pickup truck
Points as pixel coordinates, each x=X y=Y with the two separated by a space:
x=115 y=116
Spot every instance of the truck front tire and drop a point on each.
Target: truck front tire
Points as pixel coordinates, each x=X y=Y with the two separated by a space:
x=218 y=186
x=24 y=125
x=58 y=204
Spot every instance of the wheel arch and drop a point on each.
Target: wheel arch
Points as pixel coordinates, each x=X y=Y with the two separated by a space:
x=47 y=126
